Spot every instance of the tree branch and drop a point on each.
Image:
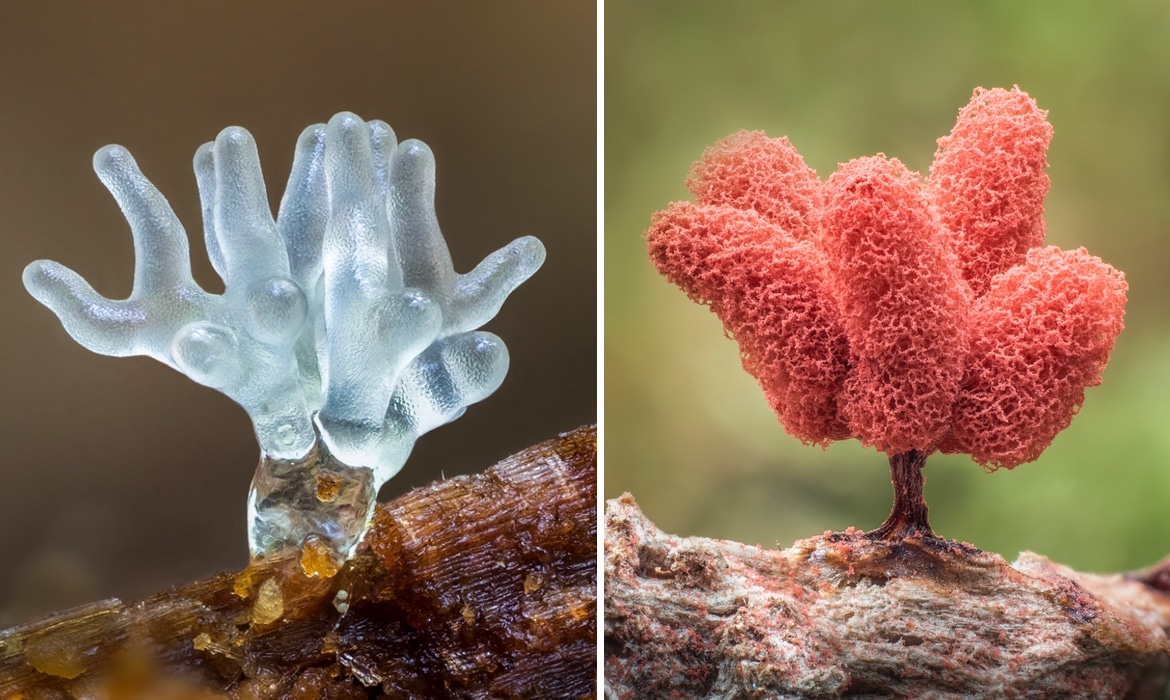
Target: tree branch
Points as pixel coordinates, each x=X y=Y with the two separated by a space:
x=845 y=615
x=474 y=587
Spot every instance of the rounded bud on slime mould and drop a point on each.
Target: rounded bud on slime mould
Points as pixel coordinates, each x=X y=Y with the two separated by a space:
x=208 y=353
x=277 y=309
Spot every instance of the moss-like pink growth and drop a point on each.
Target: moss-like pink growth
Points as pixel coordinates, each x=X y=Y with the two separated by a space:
x=988 y=182
x=770 y=292
x=1043 y=333
x=912 y=315
x=748 y=170
x=902 y=303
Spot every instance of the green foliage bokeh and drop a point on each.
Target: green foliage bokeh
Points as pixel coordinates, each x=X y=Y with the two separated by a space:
x=689 y=433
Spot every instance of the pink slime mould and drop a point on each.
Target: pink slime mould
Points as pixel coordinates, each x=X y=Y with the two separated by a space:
x=912 y=314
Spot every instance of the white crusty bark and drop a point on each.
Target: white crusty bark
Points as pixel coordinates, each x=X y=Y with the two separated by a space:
x=847 y=615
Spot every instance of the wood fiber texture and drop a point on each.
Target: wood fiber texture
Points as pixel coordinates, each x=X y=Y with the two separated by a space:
x=481 y=586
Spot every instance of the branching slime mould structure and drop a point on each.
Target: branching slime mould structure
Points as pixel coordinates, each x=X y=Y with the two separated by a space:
x=343 y=330
x=913 y=314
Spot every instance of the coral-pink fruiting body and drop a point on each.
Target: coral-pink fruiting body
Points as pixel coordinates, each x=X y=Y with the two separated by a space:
x=910 y=313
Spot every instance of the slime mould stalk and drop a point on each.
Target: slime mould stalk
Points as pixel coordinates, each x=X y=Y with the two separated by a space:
x=908 y=517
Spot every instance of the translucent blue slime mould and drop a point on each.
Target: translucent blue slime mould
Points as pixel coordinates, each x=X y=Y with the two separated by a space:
x=344 y=330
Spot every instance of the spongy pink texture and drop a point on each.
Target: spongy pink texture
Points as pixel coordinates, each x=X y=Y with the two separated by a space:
x=909 y=314
x=748 y=170
x=1042 y=333
x=902 y=302
x=988 y=182
x=769 y=291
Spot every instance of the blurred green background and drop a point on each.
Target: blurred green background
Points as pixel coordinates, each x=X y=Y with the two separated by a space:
x=689 y=433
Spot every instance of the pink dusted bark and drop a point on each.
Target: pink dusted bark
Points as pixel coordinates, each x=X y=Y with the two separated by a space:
x=748 y=170
x=912 y=316
x=988 y=182
x=844 y=616
x=1043 y=332
x=769 y=291
x=902 y=302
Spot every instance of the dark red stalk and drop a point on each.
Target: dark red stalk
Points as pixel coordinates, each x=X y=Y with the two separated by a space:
x=908 y=518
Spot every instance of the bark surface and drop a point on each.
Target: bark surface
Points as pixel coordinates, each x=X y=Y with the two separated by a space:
x=474 y=587
x=850 y=615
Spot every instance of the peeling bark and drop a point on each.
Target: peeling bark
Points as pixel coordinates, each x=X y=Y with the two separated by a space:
x=474 y=587
x=846 y=615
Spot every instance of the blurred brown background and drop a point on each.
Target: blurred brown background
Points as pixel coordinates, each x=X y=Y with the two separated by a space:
x=121 y=476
